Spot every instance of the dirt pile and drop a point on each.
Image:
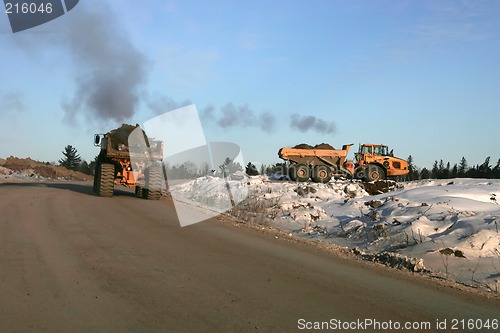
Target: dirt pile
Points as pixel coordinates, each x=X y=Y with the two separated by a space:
x=318 y=146
x=119 y=136
x=5 y=171
x=302 y=146
x=29 y=168
x=379 y=186
x=324 y=146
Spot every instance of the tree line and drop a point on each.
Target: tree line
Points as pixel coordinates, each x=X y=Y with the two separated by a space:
x=444 y=170
x=72 y=160
x=440 y=169
x=190 y=170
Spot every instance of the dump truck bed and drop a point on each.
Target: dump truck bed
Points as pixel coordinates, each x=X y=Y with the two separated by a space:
x=331 y=157
x=154 y=152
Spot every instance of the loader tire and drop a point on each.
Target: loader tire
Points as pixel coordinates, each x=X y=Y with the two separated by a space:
x=374 y=173
x=154 y=181
x=300 y=172
x=321 y=174
x=106 y=180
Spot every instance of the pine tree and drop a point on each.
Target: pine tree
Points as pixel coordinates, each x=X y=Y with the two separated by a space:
x=251 y=169
x=425 y=174
x=496 y=170
x=435 y=170
x=84 y=168
x=440 y=173
x=473 y=172
x=263 y=169
x=205 y=169
x=280 y=169
x=446 y=171
x=454 y=171
x=462 y=168
x=485 y=168
x=92 y=165
x=229 y=167
x=71 y=159
x=413 y=174
x=190 y=170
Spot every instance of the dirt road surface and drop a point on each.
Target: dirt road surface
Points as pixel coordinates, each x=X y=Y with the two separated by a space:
x=74 y=262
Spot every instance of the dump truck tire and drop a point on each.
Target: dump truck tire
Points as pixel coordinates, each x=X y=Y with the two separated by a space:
x=321 y=174
x=154 y=181
x=106 y=181
x=138 y=192
x=300 y=172
x=374 y=173
x=292 y=173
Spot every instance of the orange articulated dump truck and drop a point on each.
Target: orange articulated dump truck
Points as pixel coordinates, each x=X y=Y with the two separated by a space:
x=117 y=164
x=372 y=162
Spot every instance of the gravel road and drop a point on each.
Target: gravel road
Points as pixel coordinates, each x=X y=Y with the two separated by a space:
x=74 y=262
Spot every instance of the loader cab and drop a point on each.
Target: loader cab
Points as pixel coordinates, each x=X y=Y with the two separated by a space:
x=374 y=150
x=368 y=153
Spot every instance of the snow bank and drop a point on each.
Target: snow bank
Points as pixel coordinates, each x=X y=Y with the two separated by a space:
x=453 y=225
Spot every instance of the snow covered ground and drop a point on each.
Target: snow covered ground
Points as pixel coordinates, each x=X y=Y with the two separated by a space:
x=453 y=225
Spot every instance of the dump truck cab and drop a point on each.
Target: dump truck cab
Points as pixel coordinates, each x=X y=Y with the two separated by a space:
x=375 y=162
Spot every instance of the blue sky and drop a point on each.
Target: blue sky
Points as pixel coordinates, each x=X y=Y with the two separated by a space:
x=420 y=76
